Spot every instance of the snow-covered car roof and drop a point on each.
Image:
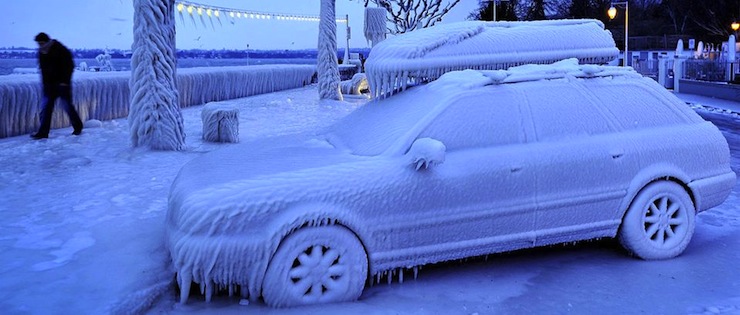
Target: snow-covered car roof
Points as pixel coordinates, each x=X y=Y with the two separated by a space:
x=426 y=54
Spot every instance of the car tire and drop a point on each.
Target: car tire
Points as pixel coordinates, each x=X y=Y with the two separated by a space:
x=659 y=223
x=316 y=265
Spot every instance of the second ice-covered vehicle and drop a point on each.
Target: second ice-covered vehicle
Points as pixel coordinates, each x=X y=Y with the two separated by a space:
x=476 y=162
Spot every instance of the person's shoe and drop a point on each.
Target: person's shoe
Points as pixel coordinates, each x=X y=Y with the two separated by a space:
x=77 y=132
x=37 y=136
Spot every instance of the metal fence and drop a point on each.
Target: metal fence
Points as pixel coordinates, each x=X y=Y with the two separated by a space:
x=646 y=67
x=710 y=70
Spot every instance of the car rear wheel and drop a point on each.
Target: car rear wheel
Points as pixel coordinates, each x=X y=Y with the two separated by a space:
x=316 y=265
x=659 y=223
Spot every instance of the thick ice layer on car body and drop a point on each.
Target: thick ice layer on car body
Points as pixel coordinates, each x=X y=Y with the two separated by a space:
x=224 y=227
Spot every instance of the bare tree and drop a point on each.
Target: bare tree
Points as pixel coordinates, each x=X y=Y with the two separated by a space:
x=678 y=13
x=715 y=17
x=154 y=118
x=408 y=15
x=327 y=65
x=536 y=9
x=645 y=4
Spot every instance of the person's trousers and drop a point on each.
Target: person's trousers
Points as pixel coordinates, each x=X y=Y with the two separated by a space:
x=50 y=96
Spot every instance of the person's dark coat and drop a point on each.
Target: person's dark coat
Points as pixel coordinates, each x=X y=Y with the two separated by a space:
x=56 y=66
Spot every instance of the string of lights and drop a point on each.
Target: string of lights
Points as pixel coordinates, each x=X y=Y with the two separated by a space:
x=210 y=11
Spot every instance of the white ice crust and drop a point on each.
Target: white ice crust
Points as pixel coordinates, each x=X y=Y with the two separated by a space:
x=426 y=54
x=375 y=28
x=220 y=123
x=230 y=209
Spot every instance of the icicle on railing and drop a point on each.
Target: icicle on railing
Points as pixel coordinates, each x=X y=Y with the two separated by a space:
x=106 y=95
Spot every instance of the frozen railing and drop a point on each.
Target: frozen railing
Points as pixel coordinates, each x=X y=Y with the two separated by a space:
x=105 y=95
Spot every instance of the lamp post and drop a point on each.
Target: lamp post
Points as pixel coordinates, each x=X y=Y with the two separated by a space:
x=349 y=36
x=731 y=53
x=494 y=7
x=612 y=14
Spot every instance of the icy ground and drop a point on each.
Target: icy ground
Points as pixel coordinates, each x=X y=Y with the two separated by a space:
x=82 y=232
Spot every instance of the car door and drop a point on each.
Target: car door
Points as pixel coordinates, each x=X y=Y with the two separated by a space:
x=479 y=200
x=583 y=169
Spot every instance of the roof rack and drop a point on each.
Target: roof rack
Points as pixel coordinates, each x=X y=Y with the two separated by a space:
x=557 y=70
x=568 y=68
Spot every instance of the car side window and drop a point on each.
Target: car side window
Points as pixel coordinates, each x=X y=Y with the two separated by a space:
x=559 y=110
x=484 y=119
x=635 y=107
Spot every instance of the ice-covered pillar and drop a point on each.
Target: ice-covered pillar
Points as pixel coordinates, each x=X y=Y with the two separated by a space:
x=375 y=25
x=731 y=64
x=678 y=72
x=154 y=117
x=328 y=69
x=662 y=71
x=699 y=50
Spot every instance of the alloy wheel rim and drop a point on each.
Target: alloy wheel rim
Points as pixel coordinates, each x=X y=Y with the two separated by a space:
x=665 y=221
x=316 y=272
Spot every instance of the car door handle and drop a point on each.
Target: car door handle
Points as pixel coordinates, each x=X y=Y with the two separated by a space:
x=516 y=168
x=616 y=153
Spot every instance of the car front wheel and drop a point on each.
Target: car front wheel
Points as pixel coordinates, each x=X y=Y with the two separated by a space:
x=316 y=265
x=659 y=223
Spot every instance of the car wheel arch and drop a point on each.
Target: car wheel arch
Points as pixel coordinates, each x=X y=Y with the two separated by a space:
x=641 y=183
x=660 y=220
x=317 y=216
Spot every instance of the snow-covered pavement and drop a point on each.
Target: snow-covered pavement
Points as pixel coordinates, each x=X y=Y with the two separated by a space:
x=710 y=101
x=82 y=232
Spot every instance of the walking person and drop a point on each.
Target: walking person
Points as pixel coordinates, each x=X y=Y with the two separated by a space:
x=56 y=64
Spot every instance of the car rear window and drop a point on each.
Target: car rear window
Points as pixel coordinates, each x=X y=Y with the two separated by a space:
x=635 y=106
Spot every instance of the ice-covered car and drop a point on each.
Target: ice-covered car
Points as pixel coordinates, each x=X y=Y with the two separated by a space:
x=476 y=162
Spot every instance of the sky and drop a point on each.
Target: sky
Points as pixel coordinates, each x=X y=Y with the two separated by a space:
x=109 y=23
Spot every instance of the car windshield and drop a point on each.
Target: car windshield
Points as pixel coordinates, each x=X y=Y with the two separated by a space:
x=373 y=128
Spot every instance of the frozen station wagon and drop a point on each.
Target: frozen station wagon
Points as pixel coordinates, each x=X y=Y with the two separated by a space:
x=476 y=162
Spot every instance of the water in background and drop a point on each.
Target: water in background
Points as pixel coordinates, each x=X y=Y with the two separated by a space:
x=7 y=65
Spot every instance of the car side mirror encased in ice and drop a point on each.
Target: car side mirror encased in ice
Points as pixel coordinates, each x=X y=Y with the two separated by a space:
x=426 y=152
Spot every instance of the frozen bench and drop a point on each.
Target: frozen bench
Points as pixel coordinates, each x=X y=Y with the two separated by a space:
x=220 y=123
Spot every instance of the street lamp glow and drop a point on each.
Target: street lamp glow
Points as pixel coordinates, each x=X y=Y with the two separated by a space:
x=612 y=12
x=735 y=26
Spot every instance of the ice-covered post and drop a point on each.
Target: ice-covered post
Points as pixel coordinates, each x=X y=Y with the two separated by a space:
x=154 y=118
x=678 y=68
x=349 y=36
x=731 y=58
x=328 y=69
x=375 y=25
